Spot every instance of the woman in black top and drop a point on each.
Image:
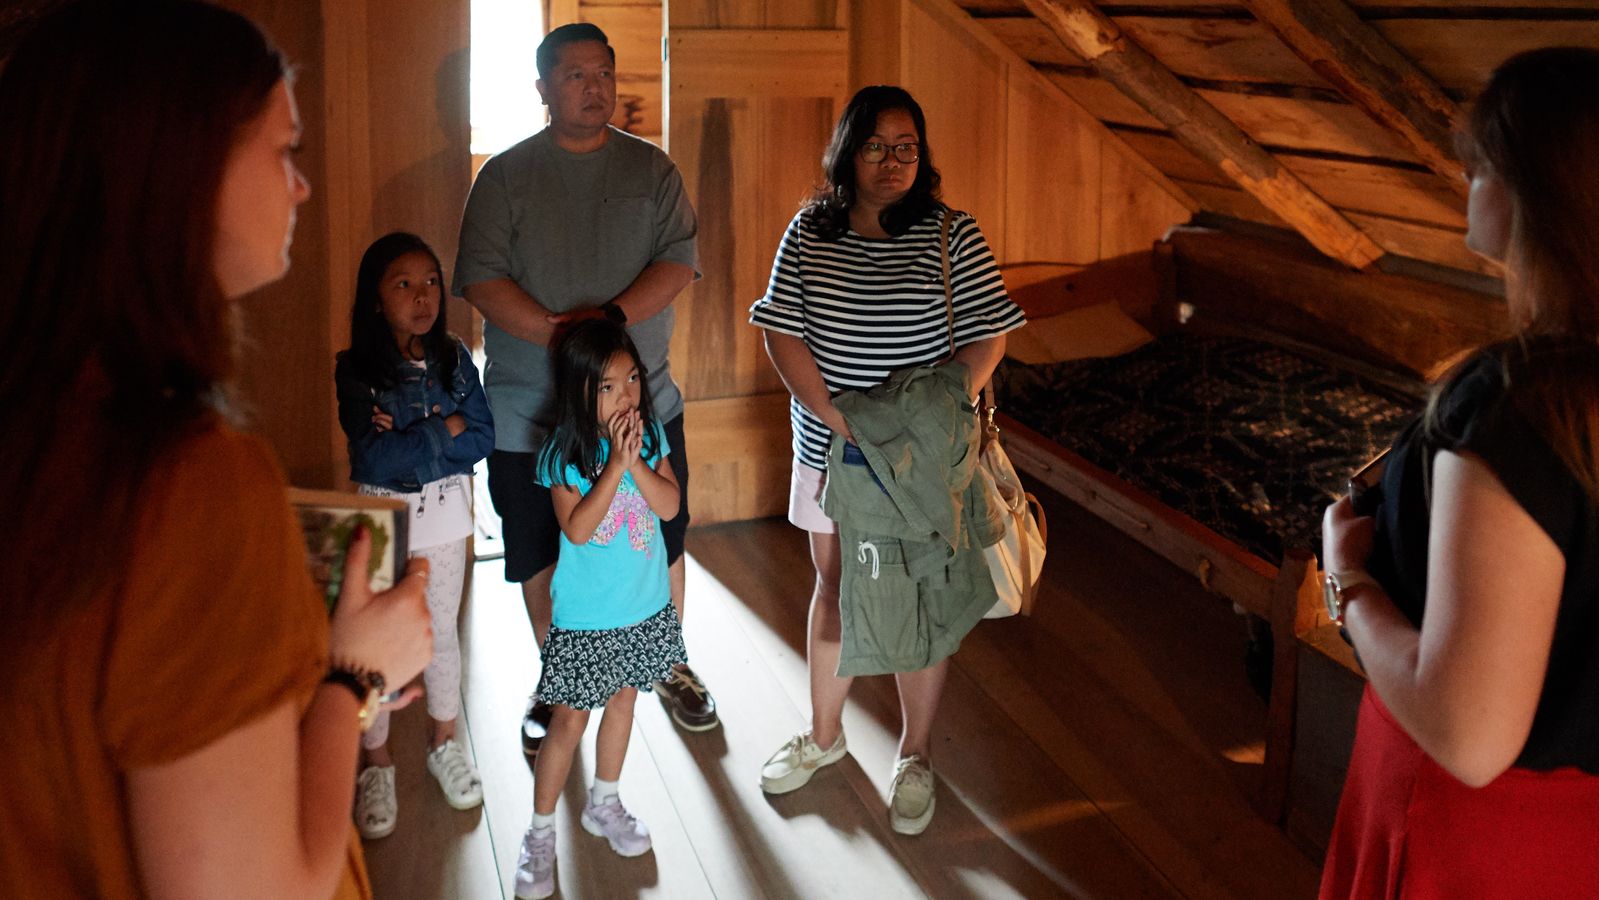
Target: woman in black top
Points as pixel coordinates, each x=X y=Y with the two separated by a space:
x=1473 y=594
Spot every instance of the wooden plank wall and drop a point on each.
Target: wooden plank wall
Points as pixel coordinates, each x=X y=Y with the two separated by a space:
x=1045 y=180
x=634 y=30
x=286 y=373
x=1240 y=66
x=754 y=87
x=400 y=143
x=382 y=92
x=753 y=91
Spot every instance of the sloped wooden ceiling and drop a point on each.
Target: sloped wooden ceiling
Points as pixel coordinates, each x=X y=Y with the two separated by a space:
x=1371 y=173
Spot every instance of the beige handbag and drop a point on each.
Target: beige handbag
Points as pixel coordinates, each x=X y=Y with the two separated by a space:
x=1016 y=561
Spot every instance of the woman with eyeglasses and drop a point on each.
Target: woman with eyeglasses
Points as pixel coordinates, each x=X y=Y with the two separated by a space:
x=857 y=293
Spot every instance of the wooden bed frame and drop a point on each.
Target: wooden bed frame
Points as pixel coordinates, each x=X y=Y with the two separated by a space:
x=1381 y=324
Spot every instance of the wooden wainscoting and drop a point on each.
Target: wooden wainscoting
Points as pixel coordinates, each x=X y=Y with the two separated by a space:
x=739 y=457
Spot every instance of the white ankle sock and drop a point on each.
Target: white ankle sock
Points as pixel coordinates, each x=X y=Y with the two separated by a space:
x=601 y=790
x=542 y=822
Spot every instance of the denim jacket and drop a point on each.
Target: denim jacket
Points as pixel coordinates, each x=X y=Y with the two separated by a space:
x=419 y=448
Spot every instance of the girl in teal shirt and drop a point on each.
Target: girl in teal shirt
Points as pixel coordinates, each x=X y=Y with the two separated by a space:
x=614 y=630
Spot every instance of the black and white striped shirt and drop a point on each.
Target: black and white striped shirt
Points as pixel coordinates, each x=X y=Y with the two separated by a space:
x=867 y=307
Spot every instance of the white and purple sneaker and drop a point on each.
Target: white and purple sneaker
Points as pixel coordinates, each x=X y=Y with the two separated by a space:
x=535 y=868
x=612 y=821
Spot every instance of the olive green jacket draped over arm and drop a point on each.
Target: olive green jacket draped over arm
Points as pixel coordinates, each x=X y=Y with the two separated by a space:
x=914 y=579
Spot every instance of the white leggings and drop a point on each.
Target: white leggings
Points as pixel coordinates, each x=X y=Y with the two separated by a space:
x=442 y=677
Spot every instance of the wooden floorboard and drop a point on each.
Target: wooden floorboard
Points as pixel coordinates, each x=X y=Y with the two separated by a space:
x=1132 y=678
x=817 y=842
x=984 y=761
x=435 y=851
x=500 y=670
x=1106 y=747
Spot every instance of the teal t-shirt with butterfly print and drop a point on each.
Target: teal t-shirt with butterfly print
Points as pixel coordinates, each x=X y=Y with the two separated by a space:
x=617 y=578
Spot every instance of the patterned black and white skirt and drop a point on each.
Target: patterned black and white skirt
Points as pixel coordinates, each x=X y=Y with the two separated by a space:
x=583 y=669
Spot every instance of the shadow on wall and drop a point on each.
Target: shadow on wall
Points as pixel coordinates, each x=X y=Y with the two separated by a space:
x=427 y=195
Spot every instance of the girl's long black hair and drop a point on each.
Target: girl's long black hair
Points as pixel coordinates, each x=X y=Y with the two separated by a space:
x=580 y=360
x=372 y=352
x=832 y=202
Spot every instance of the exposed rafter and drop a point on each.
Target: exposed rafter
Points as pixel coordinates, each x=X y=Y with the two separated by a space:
x=1356 y=59
x=1204 y=129
x=954 y=16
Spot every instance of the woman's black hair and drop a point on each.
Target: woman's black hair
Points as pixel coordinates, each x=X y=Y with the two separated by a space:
x=372 y=352
x=580 y=360
x=829 y=207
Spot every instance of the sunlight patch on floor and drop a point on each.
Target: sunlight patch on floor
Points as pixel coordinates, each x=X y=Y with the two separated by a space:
x=986 y=885
x=1252 y=753
x=1056 y=814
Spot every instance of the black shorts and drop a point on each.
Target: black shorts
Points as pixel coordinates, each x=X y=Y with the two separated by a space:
x=527 y=518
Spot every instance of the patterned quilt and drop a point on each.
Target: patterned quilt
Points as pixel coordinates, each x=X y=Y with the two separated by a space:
x=1248 y=438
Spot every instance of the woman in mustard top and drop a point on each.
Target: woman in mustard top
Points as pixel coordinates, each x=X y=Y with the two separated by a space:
x=181 y=717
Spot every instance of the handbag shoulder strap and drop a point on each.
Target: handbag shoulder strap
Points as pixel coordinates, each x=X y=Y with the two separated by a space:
x=986 y=397
x=949 y=291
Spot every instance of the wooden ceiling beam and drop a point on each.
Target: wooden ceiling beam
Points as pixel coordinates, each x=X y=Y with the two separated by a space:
x=1332 y=39
x=1204 y=129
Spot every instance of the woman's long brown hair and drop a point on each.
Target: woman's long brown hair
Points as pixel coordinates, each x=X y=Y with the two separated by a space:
x=117 y=121
x=1536 y=125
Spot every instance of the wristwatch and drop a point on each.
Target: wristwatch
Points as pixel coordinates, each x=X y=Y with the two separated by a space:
x=614 y=313
x=1333 y=586
x=367 y=686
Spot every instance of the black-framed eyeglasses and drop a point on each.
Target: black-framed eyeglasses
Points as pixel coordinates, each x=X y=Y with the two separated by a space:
x=907 y=153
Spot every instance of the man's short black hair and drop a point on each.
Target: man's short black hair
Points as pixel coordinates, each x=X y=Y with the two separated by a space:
x=549 y=51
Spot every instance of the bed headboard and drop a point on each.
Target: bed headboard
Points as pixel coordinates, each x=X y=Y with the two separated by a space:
x=1401 y=323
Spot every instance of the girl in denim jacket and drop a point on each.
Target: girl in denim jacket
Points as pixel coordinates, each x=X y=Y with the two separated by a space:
x=417 y=421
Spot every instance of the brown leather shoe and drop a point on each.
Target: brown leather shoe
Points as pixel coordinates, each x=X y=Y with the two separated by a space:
x=685 y=697
x=535 y=724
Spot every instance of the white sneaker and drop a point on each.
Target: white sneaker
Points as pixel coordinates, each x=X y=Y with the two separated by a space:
x=792 y=766
x=376 y=809
x=462 y=787
x=535 y=868
x=612 y=821
x=910 y=797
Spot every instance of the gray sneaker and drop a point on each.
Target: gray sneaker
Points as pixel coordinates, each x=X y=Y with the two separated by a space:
x=376 y=809
x=457 y=777
x=792 y=766
x=910 y=797
x=612 y=821
x=535 y=868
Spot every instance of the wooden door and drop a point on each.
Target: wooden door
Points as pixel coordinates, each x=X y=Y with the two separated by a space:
x=753 y=88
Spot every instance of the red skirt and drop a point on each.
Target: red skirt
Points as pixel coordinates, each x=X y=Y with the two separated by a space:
x=1407 y=828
